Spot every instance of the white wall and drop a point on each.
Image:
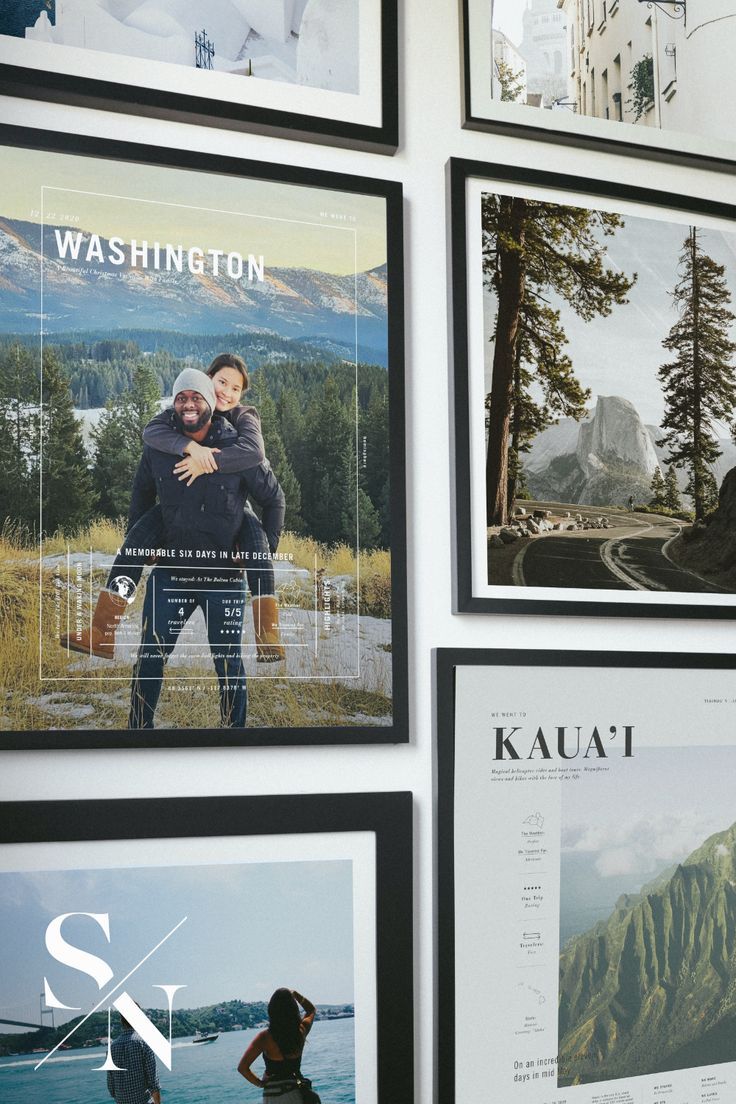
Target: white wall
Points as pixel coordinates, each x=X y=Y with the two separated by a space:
x=430 y=90
x=706 y=76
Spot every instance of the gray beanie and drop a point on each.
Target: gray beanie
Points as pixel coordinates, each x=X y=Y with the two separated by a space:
x=191 y=379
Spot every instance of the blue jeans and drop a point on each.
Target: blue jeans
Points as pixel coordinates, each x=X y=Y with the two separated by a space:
x=255 y=556
x=172 y=595
x=148 y=533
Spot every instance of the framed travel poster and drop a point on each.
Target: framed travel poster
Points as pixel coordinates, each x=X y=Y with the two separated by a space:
x=324 y=70
x=587 y=846
x=202 y=924
x=595 y=396
x=193 y=559
x=641 y=74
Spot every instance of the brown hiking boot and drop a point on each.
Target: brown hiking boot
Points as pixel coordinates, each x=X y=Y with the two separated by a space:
x=99 y=639
x=269 y=648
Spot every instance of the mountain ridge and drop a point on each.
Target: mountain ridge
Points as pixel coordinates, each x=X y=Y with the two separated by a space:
x=291 y=301
x=658 y=977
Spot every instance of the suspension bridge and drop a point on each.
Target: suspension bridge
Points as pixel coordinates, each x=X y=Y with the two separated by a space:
x=29 y=1014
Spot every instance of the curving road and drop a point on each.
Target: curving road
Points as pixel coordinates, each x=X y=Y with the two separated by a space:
x=631 y=556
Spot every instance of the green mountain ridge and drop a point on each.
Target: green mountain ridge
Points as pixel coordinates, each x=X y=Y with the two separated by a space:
x=224 y=1016
x=653 y=988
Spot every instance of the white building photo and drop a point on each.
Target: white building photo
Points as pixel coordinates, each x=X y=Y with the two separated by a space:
x=664 y=64
x=309 y=42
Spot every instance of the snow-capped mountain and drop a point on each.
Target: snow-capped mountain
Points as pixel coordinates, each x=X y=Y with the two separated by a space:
x=292 y=302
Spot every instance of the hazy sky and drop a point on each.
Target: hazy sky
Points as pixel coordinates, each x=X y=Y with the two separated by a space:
x=290 y=225
x=251 y=928
x=507 y=17
x=648 y=812
x=620 y=354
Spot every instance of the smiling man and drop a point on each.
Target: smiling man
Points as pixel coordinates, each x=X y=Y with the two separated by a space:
x=194 y=564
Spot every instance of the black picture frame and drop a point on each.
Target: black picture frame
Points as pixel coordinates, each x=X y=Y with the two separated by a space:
x=391 y=194
x=451 y=1058
x=587 y=133
x=466 y=598
x=40 y=83
x=388 y=816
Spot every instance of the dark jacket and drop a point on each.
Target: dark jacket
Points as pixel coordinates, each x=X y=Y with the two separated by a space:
x=248 y=452
x=207 y=515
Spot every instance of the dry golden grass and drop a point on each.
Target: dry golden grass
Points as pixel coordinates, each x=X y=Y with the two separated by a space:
x=102 y=535
x=102 y=702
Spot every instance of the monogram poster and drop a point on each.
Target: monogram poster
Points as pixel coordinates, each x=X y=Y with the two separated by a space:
x=203 y=966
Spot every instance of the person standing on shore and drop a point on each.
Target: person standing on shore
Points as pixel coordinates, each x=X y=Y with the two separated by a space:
x=281 y=1045
x=136 y=1080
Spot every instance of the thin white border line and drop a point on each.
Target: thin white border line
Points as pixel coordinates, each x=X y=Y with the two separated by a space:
x=316 y=610
x=357 y=459
x=209 y=210
x=113 y=990
x=40 y=464
x=205 y=678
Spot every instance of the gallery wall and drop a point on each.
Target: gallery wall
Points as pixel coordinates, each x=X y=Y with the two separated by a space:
x=430 y=123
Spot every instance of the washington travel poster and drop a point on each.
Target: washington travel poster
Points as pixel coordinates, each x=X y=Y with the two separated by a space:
x=602 y=397
x=120 y=279
x=594 y=872
x=187 y=940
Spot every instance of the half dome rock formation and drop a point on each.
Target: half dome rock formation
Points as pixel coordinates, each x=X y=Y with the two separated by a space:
x=605 y=460
x=615 y=451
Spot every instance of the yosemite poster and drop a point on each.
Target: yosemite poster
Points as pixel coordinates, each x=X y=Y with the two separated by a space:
x=602 y=393
x=253 y=593
x=594 y=871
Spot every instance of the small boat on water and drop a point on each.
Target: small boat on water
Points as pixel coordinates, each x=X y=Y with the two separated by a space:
x=203 y=1037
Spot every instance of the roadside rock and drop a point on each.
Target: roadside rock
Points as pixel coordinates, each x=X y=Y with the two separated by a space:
x=710 y=549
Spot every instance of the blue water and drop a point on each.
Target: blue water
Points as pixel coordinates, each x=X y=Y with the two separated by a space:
x=202 y=1073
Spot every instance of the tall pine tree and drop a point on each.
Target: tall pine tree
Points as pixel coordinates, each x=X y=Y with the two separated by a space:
x=699 y=383
x=658 y=490
x=276 y=451
x=118 y=440
x=19 y=426
x=67 y=491
x=532 y=250
x=672 y=498
x=540 y=360
x=325 y=480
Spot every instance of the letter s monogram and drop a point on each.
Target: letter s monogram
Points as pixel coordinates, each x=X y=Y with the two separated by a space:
x=68 y=955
